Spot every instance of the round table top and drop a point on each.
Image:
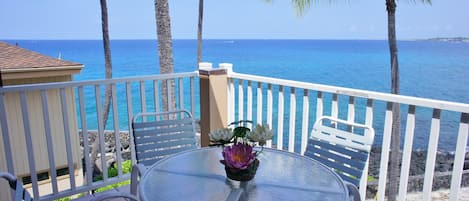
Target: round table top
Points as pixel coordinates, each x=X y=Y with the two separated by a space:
x=198 y=175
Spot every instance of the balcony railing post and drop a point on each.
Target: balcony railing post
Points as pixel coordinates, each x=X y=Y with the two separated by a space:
x=213 y=100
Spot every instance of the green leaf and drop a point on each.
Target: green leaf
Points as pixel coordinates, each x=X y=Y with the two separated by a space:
x=240 y=131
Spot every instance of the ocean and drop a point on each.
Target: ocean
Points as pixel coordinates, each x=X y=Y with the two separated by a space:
x=428 y=69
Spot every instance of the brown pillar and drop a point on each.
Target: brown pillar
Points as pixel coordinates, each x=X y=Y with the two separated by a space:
x=213 y=101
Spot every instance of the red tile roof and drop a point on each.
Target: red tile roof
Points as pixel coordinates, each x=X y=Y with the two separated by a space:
x=14 y=57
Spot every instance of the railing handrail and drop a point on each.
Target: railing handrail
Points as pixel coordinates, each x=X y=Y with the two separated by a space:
x=403 y=99
x=56 y=85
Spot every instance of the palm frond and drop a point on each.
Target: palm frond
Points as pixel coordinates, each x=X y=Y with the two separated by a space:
x=301 y=6
x=427 y=1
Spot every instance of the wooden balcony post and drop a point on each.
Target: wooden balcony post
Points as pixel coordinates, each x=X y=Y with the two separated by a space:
x=213 y=100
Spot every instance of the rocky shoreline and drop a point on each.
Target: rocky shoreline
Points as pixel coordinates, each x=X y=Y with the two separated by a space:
x=443 y=165
x=442 y=175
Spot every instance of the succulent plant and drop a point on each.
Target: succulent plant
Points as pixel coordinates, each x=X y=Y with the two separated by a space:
x=260 y=134
x=222 y=136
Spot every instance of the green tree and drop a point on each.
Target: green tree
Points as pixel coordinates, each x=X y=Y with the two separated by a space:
x=199 y=31
x=165 y=51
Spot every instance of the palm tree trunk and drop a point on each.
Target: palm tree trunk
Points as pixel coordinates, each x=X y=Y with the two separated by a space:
x=1 y=80
x=108 y=62
x=396 y=135
x=199 y=31
x=107 y=93
x=165 y=50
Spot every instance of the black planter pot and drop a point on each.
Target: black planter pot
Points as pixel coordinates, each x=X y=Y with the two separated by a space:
x=242 y=175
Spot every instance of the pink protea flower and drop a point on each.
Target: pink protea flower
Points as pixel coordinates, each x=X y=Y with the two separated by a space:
x=238 y=156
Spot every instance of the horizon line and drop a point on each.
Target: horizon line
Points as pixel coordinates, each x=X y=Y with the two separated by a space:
x=82 y=39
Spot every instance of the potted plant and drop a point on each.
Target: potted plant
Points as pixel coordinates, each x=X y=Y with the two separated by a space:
x=239 y=156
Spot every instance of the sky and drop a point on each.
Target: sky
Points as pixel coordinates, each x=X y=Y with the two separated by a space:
x=233 y=19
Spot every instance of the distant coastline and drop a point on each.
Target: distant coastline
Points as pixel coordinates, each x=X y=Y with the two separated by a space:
x=234 y=40
x=453 y=39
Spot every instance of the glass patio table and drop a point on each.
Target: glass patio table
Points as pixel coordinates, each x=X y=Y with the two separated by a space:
x=198 y=175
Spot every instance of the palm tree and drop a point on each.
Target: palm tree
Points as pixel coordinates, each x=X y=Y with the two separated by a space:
x=395 y=88
x=108 y=75
x=107 y=58
x=199 y=31
x=1 y=80
x=165 y=50
x=396 y=117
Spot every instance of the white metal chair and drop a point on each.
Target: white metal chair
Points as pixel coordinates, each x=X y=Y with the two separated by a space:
x=158 y=135
x=20 y=193
x=344 y=147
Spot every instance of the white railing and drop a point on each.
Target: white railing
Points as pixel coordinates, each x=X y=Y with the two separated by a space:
x=368 y=107
x=32 y=112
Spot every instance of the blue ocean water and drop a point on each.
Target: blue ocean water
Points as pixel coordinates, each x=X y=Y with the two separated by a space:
x=429 y=69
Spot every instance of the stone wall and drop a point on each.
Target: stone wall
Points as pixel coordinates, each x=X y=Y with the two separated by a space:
x=109 y=144
x=442 y=175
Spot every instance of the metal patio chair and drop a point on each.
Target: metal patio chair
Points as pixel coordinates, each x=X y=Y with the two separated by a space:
x=20 y=193
x=158 y=135
x=344 y=147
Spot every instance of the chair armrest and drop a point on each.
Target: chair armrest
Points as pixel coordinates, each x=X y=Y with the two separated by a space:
x=10 y=178
x=105 y=196
x=19 y=192
x=353 y=193
x=137 y=171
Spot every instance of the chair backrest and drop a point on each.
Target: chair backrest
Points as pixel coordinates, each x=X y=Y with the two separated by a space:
x=19 y=192
x=343 y=146
x=157 y=135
